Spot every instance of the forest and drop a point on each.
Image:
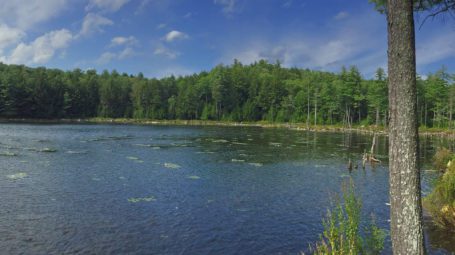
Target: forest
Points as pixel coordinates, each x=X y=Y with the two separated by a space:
x=260 y=91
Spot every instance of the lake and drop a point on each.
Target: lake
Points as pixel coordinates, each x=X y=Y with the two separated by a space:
x=126 y=189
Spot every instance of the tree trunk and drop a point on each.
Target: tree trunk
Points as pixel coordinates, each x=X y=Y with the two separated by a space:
x=377 y=117
x=315 y=109
x=406 y=208
x=360 y=116
x=426 y=114
x=308 y=110
x=450 y=111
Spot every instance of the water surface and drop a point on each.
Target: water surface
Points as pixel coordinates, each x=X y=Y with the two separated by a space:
x=117 y=189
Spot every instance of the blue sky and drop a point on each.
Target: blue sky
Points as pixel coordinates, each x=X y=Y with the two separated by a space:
x=163 y=37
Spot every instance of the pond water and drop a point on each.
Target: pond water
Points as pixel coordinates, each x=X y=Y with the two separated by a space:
x=117 y=189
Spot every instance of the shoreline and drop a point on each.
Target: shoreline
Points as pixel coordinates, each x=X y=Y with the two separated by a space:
x=291 y=126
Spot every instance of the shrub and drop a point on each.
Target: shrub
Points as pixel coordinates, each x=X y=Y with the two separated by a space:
x=342 y=233
x=441 y=158
x=440 y=203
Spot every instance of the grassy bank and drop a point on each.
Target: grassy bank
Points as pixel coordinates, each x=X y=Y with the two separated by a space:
x=440 y=203
x=263 y=124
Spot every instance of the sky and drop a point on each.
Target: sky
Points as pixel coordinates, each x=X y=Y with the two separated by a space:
x=181 y=37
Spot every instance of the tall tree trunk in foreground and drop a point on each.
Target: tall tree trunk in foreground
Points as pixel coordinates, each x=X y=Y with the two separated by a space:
x=406 y=207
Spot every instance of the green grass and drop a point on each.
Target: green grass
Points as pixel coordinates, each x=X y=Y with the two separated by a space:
x=342 y=232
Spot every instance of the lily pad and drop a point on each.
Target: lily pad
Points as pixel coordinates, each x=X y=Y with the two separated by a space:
x=239 y=143
x=141 y=199
x=171 y=165
x=142 y=145
x=17 y=176
x=220 y=141
x=256 y=164
x=48 y=150
x=8 y=154
x=76 y=152
x=194 y=177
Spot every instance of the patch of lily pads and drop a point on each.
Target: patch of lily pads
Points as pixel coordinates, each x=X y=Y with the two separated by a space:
x=8 y=154
x=256 y=164
x=17 y=176
x=141 y=199
x=172 y=165
x=220 y=141
x=77 y=152
x=48 y=150
x=135 y=159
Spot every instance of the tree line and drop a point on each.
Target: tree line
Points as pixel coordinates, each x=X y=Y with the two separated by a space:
x=257 y=92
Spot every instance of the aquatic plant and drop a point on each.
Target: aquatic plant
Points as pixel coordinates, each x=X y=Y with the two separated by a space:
x=440 y=203
x=342 y=233
x=220 y=141
x=141 y=199
x=17 y=176
x=76 y=152
x=171 y=165
x=48 y=150
x=8 y=154
x=256 y=164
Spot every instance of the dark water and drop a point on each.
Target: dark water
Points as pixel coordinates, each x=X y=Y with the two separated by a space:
x=181 y=190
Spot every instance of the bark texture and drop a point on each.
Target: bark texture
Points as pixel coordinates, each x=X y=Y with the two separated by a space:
x=406 y=208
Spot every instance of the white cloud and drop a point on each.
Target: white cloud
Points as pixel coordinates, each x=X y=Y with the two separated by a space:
x=142 y=6
x=175 y=35
x=341 y=15
x=435 y=48
x=126 y=53
x=287 y=4
x=161 y=26
x=121 y=40
x=161 y=50
x=106 y=5
x=24 y=14
x=352 y=41
x=94 y=23
x=229 y=6
x=106 y=57
x=9 y=36
x=41 y=50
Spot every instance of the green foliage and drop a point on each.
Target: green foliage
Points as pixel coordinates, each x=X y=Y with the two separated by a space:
x=374 y=238
x=342 y=233
x=441 y=158
x=440 y=203
x=257 y=92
